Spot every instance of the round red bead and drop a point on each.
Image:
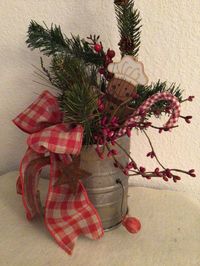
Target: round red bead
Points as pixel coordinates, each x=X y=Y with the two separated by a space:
x=97 y=47
x=132 y=224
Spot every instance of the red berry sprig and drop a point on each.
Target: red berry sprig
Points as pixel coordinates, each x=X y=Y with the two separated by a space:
x=189 y=99
x=109 y=133
x=187 y=118
x=108 y=58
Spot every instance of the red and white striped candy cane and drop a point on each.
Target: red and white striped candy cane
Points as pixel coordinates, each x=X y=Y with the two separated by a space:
x=144 y=108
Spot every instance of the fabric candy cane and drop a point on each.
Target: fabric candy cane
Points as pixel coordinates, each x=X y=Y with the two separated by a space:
x=146 y=105
x=66 y=215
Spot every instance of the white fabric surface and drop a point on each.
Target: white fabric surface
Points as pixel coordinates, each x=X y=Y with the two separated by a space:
x=170 y=234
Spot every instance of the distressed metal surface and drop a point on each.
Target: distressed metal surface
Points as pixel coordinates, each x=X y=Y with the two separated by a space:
x=103 y=191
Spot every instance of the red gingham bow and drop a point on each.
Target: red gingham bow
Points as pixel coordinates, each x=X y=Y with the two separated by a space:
x=66 y=215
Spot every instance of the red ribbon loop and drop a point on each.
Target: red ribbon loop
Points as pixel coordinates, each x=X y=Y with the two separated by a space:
x=43 y=112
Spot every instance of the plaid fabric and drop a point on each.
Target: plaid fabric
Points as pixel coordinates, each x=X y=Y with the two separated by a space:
x=174 y=106
x=144 y=108
x=66 y=215
x=57 y=139
x=30 y=168
x=43 y=112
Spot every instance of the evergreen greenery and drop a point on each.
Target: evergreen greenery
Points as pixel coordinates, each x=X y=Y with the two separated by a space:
x=78 y=93
x=129 y=27
x=74 y=68
x=79 y=105
x=51 y=41
x=64 y=71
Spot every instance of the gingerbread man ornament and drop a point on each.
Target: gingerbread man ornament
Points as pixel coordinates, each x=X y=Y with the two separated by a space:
x=128 y=73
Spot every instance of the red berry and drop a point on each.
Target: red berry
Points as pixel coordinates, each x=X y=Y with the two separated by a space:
x=111 y=134
x=165 y=179
x=110 y=53
x=113 y=142
x=148 y=177
x=102 y=71
x=101 y=107
x=128 y=132
x=98 y=47
x=151 y=154
x=109 y=154
x=190 y=98
x=134 y=165
x=188 y=118
x=99 y=153
x=168 y=173
x=107 y=60
x=192 y=173
x=166 y=129
x=100 y=141
x=125 y=172
x=114 y=152
x=104 y=121
x=129 y=166
x=105 y=131
x=142 y=169
x=157 y=170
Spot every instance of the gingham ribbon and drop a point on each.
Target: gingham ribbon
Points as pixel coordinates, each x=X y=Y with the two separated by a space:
x=146 y=105
x=66 y=215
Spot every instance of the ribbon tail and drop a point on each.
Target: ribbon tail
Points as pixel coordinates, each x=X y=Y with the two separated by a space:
x=67 y=215
x=30 y=168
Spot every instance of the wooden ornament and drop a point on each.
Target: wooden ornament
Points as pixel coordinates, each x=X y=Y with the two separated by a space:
x=130 y=70
x=120 y=90
x=128 y=73
x=71 y=173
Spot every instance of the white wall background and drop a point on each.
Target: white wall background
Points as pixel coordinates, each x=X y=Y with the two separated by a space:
x=170 y=51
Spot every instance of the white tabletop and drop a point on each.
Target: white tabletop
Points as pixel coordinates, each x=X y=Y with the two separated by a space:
x=170 y=234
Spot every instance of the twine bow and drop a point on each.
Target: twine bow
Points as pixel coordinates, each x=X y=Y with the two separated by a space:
x=66 y=215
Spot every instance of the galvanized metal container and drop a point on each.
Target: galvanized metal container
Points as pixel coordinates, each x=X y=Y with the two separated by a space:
x=108 y=197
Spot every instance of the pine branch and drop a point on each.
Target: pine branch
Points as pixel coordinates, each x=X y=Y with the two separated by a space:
x=49 y=41
x=129 y=27
x=53 y=42
x=79 y=105
x=64 y=71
